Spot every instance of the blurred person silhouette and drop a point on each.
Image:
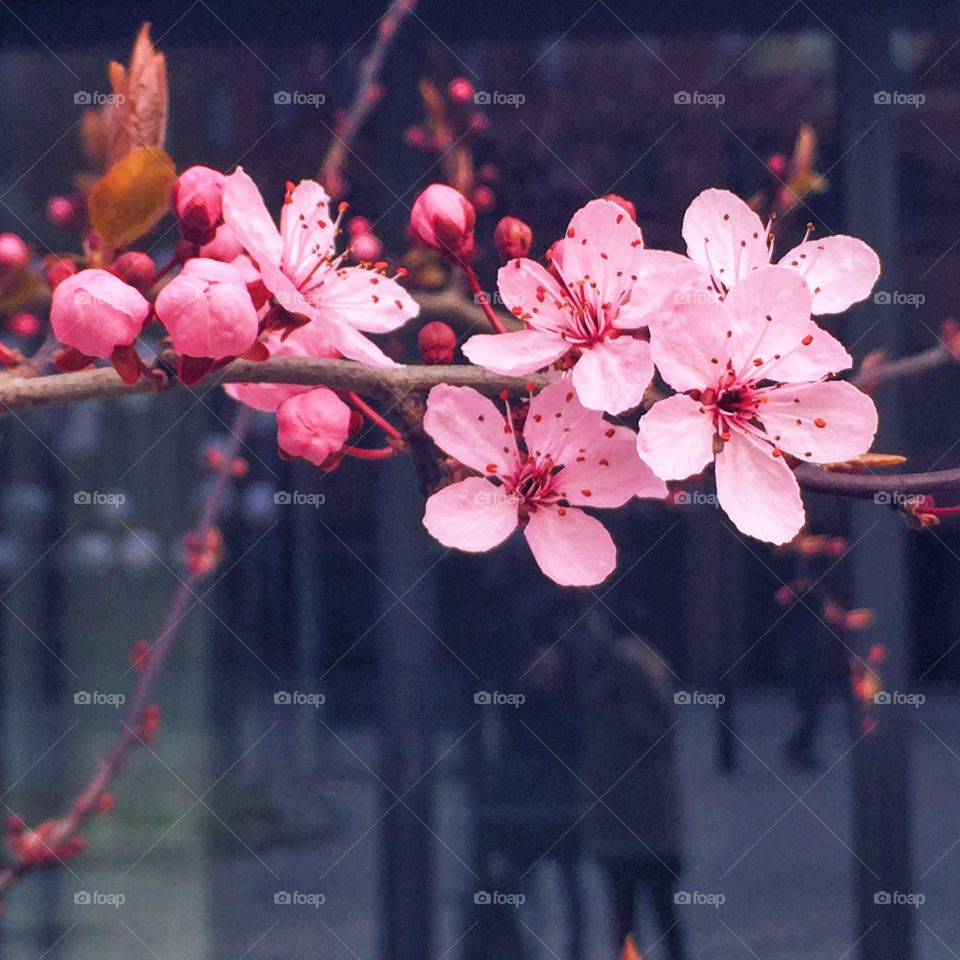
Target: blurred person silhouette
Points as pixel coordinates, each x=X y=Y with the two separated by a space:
x=531 y=803
x=634 y=825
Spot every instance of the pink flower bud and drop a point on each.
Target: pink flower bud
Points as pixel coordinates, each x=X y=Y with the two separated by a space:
x=460 y=90
x=484 y=199
x=358 y=226
x=442 y=219
x=136 y=268
x=94 y=312
x=23 y=324
x=224 y=246
x=437 y=342
x=64 y=211
x=366 y=247
x=623 y=202
x=59 y=270
x=13 y=253
x=207 y=310
x=313 y=425
x=513 y=238
x=196 y=199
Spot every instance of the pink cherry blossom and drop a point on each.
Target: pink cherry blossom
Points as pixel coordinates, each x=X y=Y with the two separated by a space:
x=750 y=374
x=313 y=425
x=207 y=310
x=300 y=267
x=304 y=342
x=729 y=241
x=94 y=312
x=567 y=457
x=602 y=285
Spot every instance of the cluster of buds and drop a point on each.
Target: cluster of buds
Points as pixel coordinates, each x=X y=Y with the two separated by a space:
x=216 y=462
x=204 y=551
x=39 y=847
x=852 y=621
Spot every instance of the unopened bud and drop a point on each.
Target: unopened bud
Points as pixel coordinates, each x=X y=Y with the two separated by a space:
x=460 y=90
x=443 y=219
x=437 y=342
x=513 y=238
x=58 y=271
x=197 y=199
x=136 y=268
x=14 y=254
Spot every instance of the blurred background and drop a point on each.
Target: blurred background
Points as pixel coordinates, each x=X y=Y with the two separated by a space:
x=497 y=765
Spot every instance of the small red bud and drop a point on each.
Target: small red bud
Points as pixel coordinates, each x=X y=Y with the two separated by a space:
x=23 y=324
x=460 y=90
x=135 y=268
x=14 y=254
x=58 y=271
x=197 y=199
x=64 y=211
x=437 y=342
x=513 y=238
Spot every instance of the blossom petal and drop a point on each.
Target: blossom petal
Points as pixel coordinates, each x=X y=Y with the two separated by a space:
x=608 y=473
x=769 y=316
x=558 y=426
x=821 y=422
x=675 y=437
x=614 y=374
x=758 y=490
x=472 y=515
x=690 y=344
x=514 y=354
x=839 y=270
x=307 y=230
x=600 y=246
x=571 y=548
x=467 y=426
x=364 y=299
x=659 y=273
x=247 y=216
x=725 y=236
x=530 y=293
x=820 y=354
